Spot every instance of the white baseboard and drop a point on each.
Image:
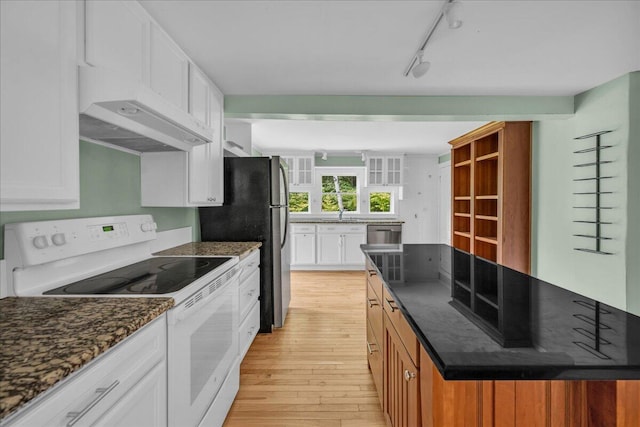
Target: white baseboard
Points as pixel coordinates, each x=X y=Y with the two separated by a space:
x=337 y=267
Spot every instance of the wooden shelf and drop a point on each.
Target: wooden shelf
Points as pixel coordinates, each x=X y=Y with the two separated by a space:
x=463 y=285
x=463 y=234
x=492 y=240
x=464 y=215
x=463 y=163
x=490 y=156
x=487 y=217
x=488 y=197
x=492 y=300
x=462 y=198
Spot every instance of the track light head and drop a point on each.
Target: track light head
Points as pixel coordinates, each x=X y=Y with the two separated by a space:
x=422 y=67
x=451 y=14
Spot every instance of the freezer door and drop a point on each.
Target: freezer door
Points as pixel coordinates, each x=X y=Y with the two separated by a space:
x=281 y=270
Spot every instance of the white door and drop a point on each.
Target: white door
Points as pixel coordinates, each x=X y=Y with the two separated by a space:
x=329 y=248
x=304 y=249
x=168 y=69
x=198 y=95
x=444 y=213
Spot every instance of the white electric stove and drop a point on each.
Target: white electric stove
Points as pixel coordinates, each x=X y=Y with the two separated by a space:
x=111 y=257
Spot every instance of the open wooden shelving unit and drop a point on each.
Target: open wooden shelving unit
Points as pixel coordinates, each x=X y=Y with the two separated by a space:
x=491 y=193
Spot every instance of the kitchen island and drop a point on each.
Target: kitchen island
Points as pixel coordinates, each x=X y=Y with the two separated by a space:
x=44 y=340
x=499 y=347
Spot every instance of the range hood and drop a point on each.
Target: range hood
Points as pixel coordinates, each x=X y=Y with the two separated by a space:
x=122 y=111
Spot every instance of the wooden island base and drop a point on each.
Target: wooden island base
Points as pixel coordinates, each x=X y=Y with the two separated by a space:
x=526 y=403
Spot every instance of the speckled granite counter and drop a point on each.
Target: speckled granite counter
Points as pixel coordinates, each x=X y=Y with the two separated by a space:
x=43 y=340
x=239 y=249
x=346 y=221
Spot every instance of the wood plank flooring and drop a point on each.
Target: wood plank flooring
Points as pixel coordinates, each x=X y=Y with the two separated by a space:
x=313 y=372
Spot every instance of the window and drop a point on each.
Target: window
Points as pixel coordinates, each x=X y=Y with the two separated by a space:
x=380 y=201
x=298 y=201
x=339 y=192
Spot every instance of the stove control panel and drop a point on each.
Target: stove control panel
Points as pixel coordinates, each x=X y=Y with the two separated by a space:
x=31 y=243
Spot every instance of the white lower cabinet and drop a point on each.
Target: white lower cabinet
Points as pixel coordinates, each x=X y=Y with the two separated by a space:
x=127 y=386
x=249 y=306
x=327 y=247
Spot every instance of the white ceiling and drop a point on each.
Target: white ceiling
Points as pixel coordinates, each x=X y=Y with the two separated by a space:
x=340 y=47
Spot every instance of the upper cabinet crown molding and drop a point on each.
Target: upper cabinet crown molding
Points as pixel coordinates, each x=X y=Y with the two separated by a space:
x=39 y=150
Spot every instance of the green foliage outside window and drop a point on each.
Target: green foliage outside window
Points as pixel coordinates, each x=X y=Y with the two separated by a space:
x=348 y=186
x=298 y=202
x=379 y=202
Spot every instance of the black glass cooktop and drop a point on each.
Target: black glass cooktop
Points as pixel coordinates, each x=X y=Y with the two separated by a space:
x=161 y=275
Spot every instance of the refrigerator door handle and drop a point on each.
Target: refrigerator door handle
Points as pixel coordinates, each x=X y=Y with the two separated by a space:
x=285 y=206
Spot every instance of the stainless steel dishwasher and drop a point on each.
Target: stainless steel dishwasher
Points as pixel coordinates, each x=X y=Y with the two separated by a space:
x=384 y=233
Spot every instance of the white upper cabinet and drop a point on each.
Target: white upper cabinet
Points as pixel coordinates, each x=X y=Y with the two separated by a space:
x=384 y=170
x=39 y=147
x=199 y=95
x=168 y=68
x=300 y=169
x=119 y=47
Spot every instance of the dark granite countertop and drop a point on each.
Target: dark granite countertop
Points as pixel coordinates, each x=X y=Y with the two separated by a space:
x=239 y=249
x=498 y=323
x=43 y=340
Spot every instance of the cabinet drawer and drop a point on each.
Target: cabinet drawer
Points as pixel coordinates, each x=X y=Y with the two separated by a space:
x=374 y=281
x=401 y=326
x=374 y=357
x=249 y=292
x=374 y=313
x=303 y=228
x=94 y=389
x=342 y=228
x=249 y=263
x=249 y=329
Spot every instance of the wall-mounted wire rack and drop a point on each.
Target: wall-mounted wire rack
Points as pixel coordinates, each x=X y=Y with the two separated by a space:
x=597 y=192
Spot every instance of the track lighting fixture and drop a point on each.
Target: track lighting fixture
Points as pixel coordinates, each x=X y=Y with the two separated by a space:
x=418 y=67
x=324 y=155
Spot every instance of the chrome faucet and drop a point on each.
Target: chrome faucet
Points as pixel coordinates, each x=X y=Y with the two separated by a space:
x=340 y=212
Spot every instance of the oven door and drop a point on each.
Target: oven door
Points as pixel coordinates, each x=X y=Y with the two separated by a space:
x=202 y=346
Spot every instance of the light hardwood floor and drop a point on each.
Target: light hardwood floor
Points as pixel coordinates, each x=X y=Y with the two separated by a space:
x=312 y=372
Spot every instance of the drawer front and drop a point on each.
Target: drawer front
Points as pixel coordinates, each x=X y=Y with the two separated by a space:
x=303 y=228
x=249 y=293
x=374 y=357
x=249 y=329
x=374 y=313
x=400 y=324
x=94 y=389
x=374 y=281
x=248 y=264
x=342 y=228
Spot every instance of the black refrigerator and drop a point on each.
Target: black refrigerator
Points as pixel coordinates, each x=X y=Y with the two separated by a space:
x=256 y=209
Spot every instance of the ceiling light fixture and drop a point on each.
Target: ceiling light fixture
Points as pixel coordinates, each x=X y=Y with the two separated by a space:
x=418 y=66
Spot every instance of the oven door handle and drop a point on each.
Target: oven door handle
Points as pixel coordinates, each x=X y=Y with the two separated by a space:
x=175 y=318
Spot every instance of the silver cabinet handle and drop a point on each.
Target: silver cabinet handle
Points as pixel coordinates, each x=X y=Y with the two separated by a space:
x=391 y=305
x=409 y=375
x=102 y=393
x=372 y=302
x=371 y=351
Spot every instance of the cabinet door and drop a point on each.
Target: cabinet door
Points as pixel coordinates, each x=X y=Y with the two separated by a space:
x=216 y=114
x=38 y=79
x=303 y=249
x=393 y=171
x=401 y=382
x=205 y=175
x=351 y=244
x=168 y=69
x=119 y=47
x=329 y=248
x=304 y=170
x=198 y=95
x=290 y=161
x=375 y=166
x=145 y=405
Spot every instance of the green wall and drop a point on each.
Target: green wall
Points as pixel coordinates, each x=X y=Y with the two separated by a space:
x=633 y=198
x=109 y=185
x=337 y=161
x=612 y=279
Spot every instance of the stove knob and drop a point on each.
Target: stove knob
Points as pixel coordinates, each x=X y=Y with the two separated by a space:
x=40 y=242
x=58 y=239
